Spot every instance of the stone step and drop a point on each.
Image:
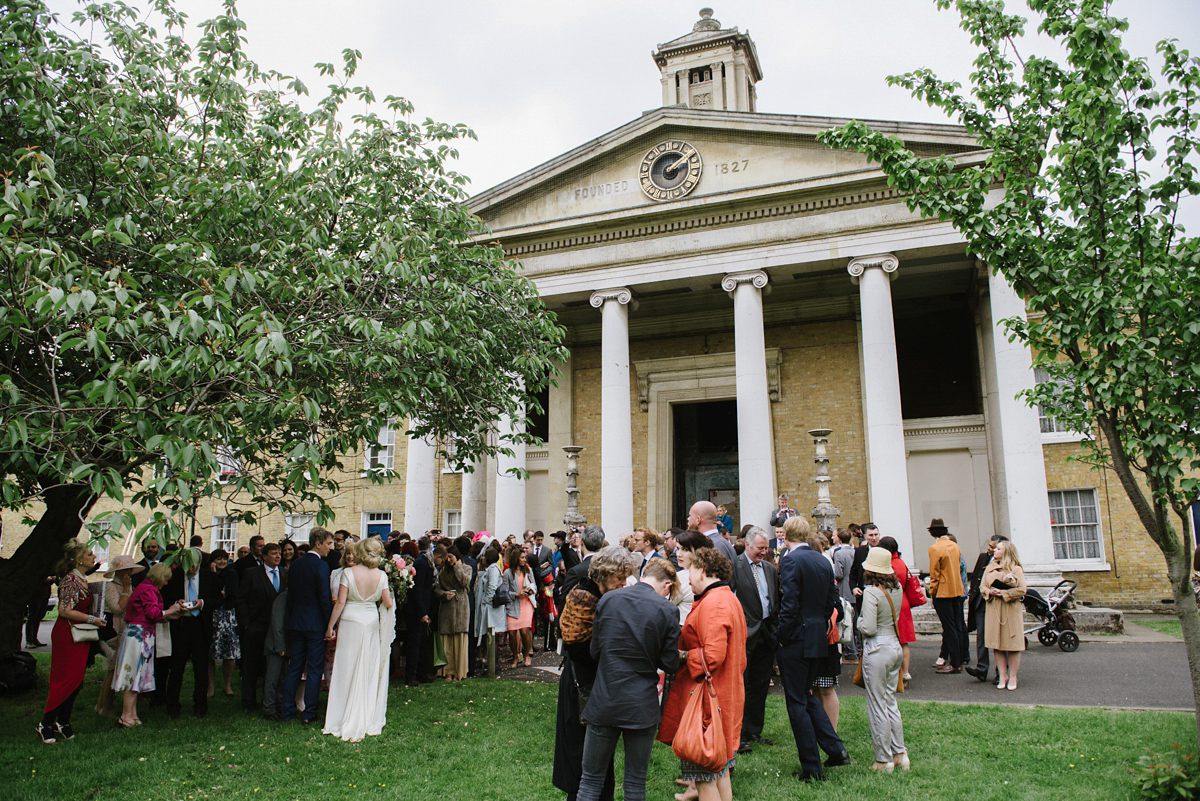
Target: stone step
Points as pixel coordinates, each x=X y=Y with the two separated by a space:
x=1090 y=619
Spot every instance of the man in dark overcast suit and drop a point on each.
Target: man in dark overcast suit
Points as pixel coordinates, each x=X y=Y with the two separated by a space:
x=309 y=605
x=808 y=596
x=256 y=597
x=591 y=542
x=757 y=585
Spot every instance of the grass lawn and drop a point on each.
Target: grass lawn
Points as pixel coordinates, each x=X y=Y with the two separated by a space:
x=1171 y=627
x=487 y=741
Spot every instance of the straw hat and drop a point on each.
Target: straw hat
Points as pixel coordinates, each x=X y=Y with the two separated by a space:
x=124 y=562
x=879 y=560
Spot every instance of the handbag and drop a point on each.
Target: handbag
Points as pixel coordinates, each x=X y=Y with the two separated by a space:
x=913 y=592
x=502 y=597
x=85 y=632
x=858 y=671
x=700 y=738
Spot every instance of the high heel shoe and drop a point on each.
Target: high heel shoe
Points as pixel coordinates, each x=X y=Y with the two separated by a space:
x=1012 y=684
x=901 y=761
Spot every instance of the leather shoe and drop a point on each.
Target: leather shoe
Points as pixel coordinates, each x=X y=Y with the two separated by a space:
x=758 y=738
x=976 y=673
x=805 y=776
x=947 y=669
x=837 y=760
x=744 y=748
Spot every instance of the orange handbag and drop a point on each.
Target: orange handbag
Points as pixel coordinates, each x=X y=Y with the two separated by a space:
x=700 y=738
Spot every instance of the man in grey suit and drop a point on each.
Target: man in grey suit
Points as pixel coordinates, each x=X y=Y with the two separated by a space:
x=757 y=583
x=703 y=518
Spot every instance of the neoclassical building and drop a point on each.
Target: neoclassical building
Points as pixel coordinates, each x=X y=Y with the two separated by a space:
x=728 y=284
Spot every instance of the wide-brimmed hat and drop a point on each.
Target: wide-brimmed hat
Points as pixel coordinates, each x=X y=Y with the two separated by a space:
x=879 y=560
x=124 y=562
x=936 y=524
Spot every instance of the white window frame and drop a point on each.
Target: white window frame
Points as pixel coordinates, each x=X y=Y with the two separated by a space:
x=452 y=523
x=1057 y=433
x=229 y=466
x=224 y=535
x=1069 y=563
x=381 y=454
x=101 y=552
x=375 y=516
x=297 y=526
x=450 y=448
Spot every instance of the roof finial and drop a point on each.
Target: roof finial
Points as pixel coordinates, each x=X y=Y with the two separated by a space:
x=706 y=22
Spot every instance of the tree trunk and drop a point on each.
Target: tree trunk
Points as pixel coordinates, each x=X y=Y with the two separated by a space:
x=1179 y=571
x=22 y=576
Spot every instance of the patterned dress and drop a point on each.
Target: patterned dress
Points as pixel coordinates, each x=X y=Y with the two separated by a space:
x=135 y=660
x=225 y=641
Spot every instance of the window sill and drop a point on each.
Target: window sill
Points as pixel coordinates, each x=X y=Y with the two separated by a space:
x=1069 y=566
x=1063 y=436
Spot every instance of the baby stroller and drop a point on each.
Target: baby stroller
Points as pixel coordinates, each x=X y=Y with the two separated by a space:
x=1057 y=625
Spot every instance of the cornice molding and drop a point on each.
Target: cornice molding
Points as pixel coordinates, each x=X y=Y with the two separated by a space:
x=782 y=210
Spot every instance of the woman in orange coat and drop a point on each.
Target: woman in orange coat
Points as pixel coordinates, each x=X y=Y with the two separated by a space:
x=714 y=636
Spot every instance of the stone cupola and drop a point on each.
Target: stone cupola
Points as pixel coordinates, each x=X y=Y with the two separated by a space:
x=710 y=68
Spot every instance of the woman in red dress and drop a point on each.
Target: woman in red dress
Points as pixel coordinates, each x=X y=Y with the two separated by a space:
x=906 y=631
x=68 y=659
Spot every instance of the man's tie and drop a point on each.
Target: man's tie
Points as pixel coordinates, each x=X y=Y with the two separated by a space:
x=193 y=592
x=275 y=578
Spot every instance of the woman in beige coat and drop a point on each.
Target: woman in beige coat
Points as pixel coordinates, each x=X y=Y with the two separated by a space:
x=452 y=587
x=1003 y=586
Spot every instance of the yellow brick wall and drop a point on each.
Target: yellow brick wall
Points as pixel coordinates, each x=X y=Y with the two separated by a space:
x=1138 y=574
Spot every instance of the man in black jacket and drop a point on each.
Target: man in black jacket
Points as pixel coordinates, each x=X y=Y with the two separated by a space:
x=757 y=588
x=591 y=542
x=191 y=634
x=635 y=634
x=977 y=609
x=256 y=596
x=870 y=533
x=808 y=596
x=252 y=559
x=416 y=617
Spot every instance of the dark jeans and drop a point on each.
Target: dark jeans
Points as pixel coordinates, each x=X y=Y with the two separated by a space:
x=252 y=667
x=189 y=643
x=598 y=748
x=981 y=651
x=416 y=651
x=810 y=725
x=757 y=681
x=954 y=628
x=307 y=658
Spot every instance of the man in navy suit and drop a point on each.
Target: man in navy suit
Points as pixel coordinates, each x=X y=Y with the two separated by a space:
x=808 y=596
x=417 y=608
x=309 y=605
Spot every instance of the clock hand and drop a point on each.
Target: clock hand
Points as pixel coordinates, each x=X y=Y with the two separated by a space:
x=669 y=172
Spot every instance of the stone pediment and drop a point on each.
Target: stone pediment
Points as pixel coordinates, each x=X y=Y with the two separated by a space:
x=741 y=153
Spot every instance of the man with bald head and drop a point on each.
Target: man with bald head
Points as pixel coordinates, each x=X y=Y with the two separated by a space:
x=703 y=518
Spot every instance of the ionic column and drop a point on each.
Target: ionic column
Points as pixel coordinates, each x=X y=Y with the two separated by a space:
x=887 y=469
x=474 y=496
x=420 y=478
x=1020 y=453
x=616 y=424
x=510 y=489
x=756 y=445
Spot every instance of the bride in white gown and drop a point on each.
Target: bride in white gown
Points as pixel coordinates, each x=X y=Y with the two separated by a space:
x=358 y=685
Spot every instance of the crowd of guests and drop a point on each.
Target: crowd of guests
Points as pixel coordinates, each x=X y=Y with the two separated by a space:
x=643 y=625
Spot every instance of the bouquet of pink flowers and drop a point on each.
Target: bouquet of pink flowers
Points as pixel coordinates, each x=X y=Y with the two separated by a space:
x=400 y=573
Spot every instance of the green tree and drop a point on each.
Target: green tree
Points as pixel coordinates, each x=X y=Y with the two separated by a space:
x=1063 y=203
x=194 y=263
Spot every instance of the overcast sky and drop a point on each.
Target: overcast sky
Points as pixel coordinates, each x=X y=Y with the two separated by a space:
x=535 y=78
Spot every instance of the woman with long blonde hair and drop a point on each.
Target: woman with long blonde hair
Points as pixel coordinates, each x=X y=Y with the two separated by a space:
x=1003 y=586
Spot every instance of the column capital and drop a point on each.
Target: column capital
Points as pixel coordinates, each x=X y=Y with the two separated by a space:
x=756 y=278
x=885 y=261
x=621 y=294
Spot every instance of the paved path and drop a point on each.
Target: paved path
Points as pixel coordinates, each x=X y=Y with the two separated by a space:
x=1141 y=669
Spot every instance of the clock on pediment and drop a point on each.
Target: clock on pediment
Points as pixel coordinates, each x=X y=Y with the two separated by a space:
x=670 y=170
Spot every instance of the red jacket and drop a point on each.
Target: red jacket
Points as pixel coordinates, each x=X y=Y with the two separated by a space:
x=717 y=623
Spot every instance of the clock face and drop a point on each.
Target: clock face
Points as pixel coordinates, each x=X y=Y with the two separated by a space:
x=670 y=170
